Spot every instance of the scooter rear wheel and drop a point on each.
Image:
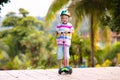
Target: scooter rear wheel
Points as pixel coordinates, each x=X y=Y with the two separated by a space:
x=60 y=71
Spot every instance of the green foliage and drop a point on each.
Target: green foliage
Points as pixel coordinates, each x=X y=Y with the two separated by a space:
x=10 y=20
x=106 y=63
x=105 y=20
x=23 y=12
x=111 y=17
x=11 y=42
x=115 y=24
x=101 y=54
x=21 y=61
x=79 y=50
x=26 y=21
x=113 y=51
x=115 y=12
x=30 y=21
x=23 y=43
x=22 y=40
x=4 y=58
x=3 y=46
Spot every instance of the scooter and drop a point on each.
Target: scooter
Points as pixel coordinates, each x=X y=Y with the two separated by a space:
x=65 y=69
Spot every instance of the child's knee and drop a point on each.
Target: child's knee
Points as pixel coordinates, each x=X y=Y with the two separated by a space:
x=60 y=52
x=59 y=57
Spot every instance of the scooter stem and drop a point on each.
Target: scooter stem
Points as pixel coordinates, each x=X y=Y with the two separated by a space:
x=64 y=48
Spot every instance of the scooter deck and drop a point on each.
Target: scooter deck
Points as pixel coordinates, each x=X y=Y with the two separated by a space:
x=65 y=70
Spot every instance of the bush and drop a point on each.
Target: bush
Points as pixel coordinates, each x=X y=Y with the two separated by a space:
x=114 y=50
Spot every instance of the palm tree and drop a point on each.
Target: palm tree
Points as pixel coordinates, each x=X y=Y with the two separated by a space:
x=2 y=2
x=79 y=9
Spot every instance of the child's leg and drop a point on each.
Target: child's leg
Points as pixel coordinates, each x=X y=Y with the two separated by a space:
x=68 y=55
x=60 y=63
x=60 y=55
x=67 y=62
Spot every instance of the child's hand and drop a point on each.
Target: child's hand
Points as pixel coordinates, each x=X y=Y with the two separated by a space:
x=58 y=32
x=66 y=32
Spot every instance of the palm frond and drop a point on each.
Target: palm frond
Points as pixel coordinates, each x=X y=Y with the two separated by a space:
x=54 y=8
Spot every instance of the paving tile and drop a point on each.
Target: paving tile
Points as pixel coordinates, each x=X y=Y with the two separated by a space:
x=103 y=73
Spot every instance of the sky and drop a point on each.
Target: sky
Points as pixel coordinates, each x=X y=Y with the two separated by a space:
x=34 y=7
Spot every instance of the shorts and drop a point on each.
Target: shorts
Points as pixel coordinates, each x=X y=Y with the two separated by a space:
x=60 y=52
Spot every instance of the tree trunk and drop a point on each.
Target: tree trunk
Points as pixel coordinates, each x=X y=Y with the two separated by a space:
x=92 y=40
x=74 y=60
x=80 y=59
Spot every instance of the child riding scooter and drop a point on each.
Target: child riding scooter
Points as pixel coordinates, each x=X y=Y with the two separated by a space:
x=64 y=31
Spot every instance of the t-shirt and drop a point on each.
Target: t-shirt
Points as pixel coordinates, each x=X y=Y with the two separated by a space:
x=67 y=37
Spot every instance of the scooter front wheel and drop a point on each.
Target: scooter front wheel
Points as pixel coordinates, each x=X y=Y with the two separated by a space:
x=70 y=71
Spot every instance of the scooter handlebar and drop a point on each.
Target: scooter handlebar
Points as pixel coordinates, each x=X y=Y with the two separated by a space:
x=64 y=32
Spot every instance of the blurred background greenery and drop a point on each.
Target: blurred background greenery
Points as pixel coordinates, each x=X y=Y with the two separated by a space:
x=28 y=42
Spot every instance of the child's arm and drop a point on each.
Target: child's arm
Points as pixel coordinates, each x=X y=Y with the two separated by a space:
x=72 y=30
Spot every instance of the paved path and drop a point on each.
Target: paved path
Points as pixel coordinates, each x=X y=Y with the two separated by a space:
x=105 y=73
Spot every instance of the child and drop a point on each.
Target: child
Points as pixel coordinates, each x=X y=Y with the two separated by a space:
x=67 y=28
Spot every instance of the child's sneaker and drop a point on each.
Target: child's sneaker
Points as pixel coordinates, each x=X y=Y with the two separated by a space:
x=68 y=67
